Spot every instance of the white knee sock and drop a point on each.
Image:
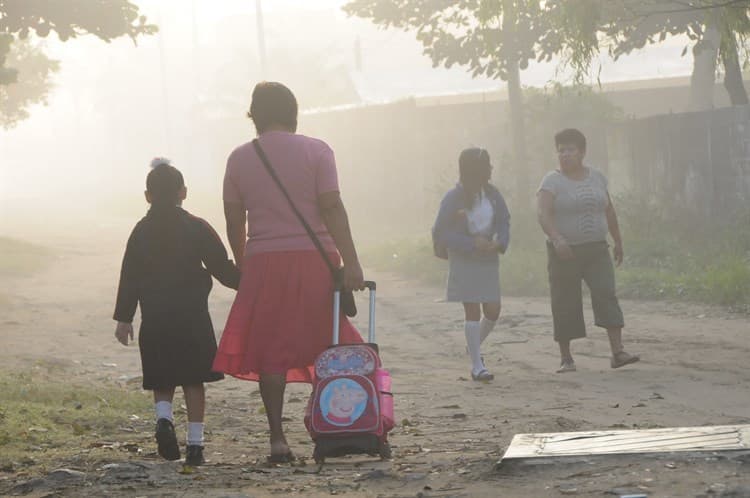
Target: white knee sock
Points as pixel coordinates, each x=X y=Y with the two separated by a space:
x=164 y=410
x=195 y=434
x=474 y=343
x=486 y=326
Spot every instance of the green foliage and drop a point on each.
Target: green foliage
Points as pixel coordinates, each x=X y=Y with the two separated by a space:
x=7 y=75
x=490 y=37
x=33 y=72
x=561 y=104
x=665 y=258
x=496 y=38
x=572 y=34
x=24 y=69
x=632 y=24
x=673 y=256
x=45 y=419
x=105 y=19
x=583 y=28
x=556 y=107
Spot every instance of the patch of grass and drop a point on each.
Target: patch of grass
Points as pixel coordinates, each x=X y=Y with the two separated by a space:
x=411 y=257
x=724 y=280
x=21 y=258
x=47 y=422
x=664 y=258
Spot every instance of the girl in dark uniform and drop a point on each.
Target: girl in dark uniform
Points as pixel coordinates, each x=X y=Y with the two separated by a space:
x=167 y=268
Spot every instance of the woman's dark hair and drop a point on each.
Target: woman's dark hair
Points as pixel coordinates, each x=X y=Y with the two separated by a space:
x=163 y=184
x=571 y=136
x=273 y=104
x=474 y=170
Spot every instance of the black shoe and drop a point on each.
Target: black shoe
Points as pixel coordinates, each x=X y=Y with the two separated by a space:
x=166 y=439
x=194 y=455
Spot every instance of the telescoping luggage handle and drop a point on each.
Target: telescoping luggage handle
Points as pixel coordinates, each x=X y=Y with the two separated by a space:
x=337 y=313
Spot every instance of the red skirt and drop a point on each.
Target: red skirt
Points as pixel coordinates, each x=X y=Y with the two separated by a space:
x=282 y=317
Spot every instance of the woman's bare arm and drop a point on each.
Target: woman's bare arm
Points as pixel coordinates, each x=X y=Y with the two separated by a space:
x=614 y=230
x=236 y=218
x=545 y=214
x=337 y=222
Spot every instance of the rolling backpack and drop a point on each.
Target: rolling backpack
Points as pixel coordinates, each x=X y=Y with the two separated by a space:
x=350 y=410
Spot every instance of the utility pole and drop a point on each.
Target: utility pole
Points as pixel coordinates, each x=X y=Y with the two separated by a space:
x=261 y=37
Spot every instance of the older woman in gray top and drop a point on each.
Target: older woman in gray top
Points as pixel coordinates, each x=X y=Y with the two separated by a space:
x=576 y=213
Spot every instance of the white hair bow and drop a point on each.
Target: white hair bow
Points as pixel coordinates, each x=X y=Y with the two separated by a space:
x=158 y=161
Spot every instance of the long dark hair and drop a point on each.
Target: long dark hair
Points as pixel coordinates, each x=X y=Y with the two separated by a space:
x=474 y=171
x=163 y=184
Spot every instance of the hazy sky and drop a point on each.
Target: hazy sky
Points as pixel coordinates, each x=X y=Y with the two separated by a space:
x=117 y=105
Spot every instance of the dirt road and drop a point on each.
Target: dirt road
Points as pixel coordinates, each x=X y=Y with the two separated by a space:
x=452 y=430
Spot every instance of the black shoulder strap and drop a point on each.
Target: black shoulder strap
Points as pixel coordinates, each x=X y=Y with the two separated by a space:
x=308 y=229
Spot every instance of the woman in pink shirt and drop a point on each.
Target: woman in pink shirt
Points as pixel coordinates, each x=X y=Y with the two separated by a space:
x=281 y=318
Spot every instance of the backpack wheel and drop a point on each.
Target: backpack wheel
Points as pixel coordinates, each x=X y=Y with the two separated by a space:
x=385 y=451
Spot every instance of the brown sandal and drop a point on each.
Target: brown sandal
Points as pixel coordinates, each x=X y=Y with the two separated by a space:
x=622 y=358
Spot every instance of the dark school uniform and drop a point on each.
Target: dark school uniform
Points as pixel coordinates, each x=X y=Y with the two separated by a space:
x=167 y=269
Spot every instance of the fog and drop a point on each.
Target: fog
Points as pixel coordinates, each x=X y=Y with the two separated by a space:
x=183 y=93
x=72 y=177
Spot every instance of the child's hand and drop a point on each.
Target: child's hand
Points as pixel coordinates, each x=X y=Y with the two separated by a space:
x=123 y=331
x=482 y=243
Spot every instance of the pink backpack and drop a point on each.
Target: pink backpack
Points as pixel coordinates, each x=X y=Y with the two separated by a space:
x=351 y=407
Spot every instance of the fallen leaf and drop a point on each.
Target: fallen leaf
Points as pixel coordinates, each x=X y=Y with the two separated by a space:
x=186 y=470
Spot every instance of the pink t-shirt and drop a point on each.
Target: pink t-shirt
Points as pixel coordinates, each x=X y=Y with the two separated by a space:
x=306 y=167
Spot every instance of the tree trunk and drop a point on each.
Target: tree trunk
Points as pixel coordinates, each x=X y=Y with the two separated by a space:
x=733 y=75
x=515 y=102
x=518 y=134
x=703 y=79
